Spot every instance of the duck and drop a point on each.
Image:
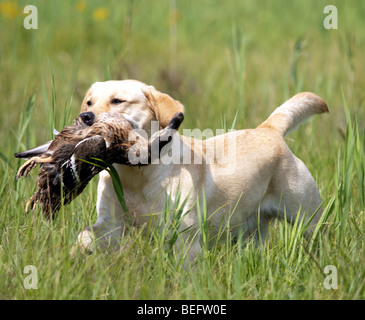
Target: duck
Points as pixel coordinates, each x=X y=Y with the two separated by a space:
x=82 y=150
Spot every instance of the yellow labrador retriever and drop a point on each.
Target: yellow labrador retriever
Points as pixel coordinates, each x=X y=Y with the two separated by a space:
x=246 y=176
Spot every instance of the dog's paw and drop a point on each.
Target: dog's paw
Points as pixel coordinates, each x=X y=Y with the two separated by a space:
x=85 y=243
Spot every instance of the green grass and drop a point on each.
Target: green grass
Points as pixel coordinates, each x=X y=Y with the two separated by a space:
x=231 y=63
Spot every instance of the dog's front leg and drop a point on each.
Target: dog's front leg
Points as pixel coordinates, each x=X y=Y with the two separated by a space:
x=188 y=243
x=108 y=229
x=191 y=250
x=105 y=233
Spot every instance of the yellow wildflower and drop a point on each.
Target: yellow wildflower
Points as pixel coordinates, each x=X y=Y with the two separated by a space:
x=100 y=14
x=9 y=9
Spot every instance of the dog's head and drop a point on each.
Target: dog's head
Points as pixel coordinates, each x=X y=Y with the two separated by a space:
x=139 y=103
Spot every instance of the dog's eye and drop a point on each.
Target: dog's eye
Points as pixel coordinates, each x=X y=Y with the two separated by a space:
x=89 y=103
x=117 y=101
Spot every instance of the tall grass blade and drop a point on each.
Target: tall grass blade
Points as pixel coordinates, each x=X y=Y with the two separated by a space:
x=117 y=183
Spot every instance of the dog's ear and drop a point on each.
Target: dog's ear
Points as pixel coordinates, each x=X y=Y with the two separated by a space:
x=162 y=105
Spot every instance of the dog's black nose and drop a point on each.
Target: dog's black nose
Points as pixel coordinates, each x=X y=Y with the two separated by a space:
x=88 y=118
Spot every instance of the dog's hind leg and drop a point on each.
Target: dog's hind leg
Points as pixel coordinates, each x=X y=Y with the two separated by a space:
x=263 y=223
x=295 y=193
x=255 y=228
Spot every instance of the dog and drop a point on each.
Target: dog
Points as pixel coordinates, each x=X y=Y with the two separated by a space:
x=259 y=180
x=266 y=181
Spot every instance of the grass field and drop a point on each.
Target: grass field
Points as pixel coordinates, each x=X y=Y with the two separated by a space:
x=230 y=63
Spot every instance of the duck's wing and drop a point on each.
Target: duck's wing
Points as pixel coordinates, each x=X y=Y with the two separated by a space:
x=65 y=178
x=83 y=165
x=35 y=152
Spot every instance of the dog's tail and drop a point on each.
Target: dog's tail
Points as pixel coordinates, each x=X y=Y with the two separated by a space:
x=294 y=111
